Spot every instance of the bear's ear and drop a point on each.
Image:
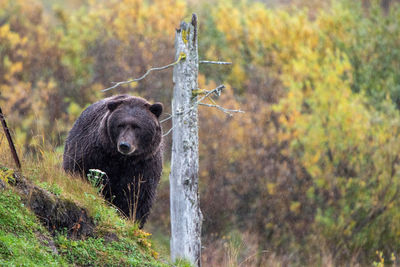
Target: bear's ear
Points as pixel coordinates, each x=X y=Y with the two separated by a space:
x=156 y=109
x=113 y=104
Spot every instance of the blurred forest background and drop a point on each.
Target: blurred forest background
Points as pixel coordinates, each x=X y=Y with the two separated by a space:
x=309 y=174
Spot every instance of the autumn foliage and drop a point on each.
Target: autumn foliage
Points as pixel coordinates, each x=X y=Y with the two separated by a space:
x=310 y=173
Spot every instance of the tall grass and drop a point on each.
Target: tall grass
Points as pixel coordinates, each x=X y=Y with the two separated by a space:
x=5 y=152
x=44 y=167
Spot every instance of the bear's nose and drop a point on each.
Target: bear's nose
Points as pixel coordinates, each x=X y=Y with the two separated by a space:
x=124 y=147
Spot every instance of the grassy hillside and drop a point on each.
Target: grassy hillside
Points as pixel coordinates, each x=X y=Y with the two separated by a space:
x=29 y=240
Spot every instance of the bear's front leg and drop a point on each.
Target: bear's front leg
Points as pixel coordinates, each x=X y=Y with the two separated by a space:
x=145 y=201
x=147 y=185
x=136 y=199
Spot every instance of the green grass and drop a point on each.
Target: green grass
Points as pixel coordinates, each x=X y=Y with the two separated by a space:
x=97 y=251
x=116 y=241
x=24 y=242
x=20 y=234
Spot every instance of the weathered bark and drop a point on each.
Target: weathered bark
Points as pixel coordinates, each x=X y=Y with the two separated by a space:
x=186 y=216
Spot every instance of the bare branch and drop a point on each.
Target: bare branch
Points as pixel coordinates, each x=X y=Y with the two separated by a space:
x=116 y=84
x=212 y=100
x=225 y=110
x=168 y=132
x=217 y=91
x=166 y=119
x=214 y=62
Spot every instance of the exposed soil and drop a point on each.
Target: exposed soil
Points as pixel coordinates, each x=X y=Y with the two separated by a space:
x=56 y=213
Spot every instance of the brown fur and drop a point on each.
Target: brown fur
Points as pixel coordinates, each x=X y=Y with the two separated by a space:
x=121 y=136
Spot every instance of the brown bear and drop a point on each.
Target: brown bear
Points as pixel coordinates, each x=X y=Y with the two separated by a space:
x=122 y=136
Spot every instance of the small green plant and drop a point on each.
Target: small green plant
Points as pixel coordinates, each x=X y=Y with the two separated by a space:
x=52 y=188
x=95 y=178
x=182 y=263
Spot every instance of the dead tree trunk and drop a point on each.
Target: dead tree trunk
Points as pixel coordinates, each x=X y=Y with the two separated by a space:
x=186 y=218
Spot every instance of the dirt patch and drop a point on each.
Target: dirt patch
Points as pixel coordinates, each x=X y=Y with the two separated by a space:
x=56 y=213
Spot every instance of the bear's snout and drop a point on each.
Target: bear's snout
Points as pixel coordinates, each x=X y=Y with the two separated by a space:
x=125 y=148
x=122 y=136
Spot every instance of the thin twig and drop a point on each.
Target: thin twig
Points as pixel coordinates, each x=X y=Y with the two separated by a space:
x=214 y=62
x=253 y=255
x=169 y=131
x=166 y=119
x=116 y=84
x=225 y=110
x=217 y=91
x=212 y=100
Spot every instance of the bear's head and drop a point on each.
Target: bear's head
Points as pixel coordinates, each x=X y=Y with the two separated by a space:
x=133 y=126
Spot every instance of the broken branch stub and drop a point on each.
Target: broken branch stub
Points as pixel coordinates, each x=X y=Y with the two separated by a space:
x=9 y=139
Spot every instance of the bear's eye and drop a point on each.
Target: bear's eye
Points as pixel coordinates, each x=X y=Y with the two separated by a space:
x=135 y=126
x=120 y=126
